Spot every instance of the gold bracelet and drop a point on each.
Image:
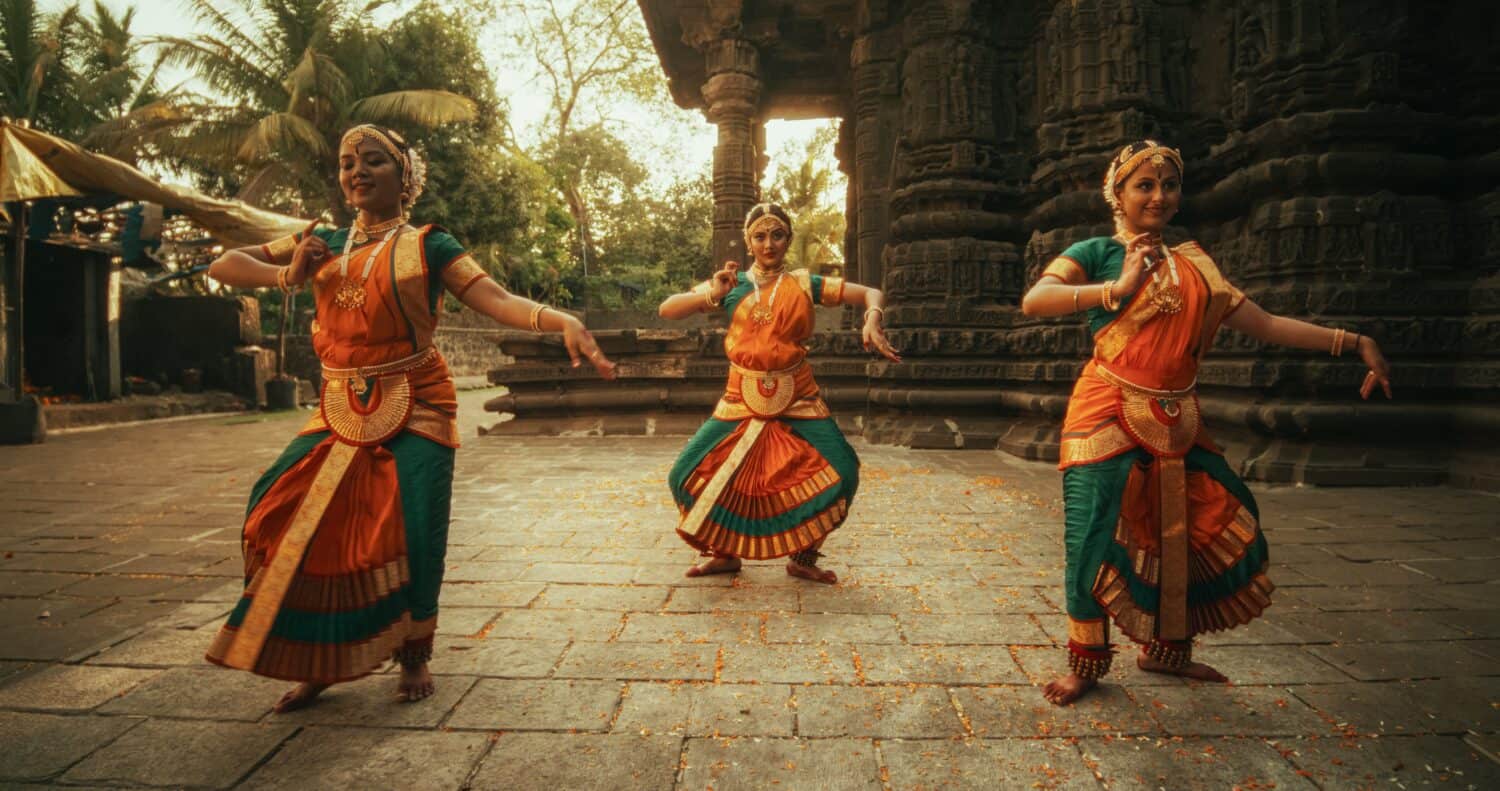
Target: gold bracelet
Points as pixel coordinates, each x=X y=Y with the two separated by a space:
x=281 y=279
x=1076 y=289
x=1338 y=343
x=1106 y=297
x=536 y=317
x=870 y=310
x=708 y=296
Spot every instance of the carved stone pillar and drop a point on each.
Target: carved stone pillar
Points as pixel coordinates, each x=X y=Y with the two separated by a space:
x=945 y=265
x=732 y=95
x=875 y=126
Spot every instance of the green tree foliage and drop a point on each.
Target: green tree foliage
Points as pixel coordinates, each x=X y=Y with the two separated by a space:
x=588 y=54
x=490 y=196
x=292 y=76
x=35 y=74
x=113 y=84
x=659 y=246
x=811 y=193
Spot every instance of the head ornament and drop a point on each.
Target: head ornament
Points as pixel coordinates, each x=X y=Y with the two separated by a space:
x=766 y=215
x=1129 y=159
x=408 y=158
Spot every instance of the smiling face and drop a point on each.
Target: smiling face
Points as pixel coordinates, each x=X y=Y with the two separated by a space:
x=1150 y=196
x=769 y=243
x=369 y=177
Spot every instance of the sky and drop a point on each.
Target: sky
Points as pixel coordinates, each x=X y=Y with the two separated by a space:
x=678 y=149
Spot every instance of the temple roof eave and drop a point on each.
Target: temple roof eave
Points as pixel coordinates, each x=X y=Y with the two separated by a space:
x=683 y=65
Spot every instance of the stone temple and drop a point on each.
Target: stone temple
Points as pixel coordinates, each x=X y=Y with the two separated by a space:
x=1343 y=165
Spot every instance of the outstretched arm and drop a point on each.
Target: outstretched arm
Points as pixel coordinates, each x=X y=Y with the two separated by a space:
x=680 y=306
x=1254 y=321
x=489 y=298
x=873 y=331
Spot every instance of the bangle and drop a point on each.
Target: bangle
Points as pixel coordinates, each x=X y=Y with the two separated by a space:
x=281 y=279
x=1106 y=297
x=1338 y=343
x=536 y=317
x=1076 y=289
x=872 y=309
x=708 y=296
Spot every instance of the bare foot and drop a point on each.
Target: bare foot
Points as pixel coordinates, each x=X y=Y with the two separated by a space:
x=415 y=684
x=1067 y=689
x=1194 y=670
x=811 y=573
x=300 y=697
x=715 y=565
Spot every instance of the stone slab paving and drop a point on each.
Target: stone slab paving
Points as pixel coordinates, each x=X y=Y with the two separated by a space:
x=573 y=654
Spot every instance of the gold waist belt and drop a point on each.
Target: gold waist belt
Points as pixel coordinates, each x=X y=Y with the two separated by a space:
x=364 y=420
x=1125 y=384
x=1165 y=422
x=401 y=366
x=767 y=394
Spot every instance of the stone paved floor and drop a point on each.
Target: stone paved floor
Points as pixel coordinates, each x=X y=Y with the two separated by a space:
x=573 y=654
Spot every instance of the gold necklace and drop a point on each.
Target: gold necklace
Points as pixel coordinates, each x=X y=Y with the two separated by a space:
x=361 y=233
x=1166 y=295
x=761 y=274
x=351 y=293
x=761 y=313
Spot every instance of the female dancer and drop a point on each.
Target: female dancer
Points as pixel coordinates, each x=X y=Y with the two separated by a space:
x=345 y=534
x=1162 y=537
x=769 y=475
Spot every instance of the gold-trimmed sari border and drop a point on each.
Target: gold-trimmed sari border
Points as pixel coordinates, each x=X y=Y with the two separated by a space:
x=1067 y=270
x=268 y=588
x=1104 y=442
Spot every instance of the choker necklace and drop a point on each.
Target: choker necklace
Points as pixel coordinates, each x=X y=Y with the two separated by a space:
x=361 y=233
x=762 y=275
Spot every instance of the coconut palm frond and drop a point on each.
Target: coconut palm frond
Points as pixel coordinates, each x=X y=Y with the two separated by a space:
x=220 y=65
x=280 y=132
x=421 y=107
x=202 y=137
x=317 y=78
x=231 y=33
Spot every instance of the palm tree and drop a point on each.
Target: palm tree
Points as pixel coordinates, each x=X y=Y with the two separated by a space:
x=288 y=80
x=115 y=95
x=34 y=75
x=804 y=191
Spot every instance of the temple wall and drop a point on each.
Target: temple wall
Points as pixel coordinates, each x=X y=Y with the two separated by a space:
x=1342 y=166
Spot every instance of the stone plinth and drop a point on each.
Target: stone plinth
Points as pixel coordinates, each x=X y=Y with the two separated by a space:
x=669 y=381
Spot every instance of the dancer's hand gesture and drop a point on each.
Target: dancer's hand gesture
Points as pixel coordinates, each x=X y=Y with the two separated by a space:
x=582 y=346
x=1133 y=271
x=874 y=337
x=310 y=254
x=1380 y=370
x=724 y=281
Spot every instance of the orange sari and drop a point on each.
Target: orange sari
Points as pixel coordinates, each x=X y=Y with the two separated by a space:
x=1162 y=537
x=769 y=474
x=344 y=537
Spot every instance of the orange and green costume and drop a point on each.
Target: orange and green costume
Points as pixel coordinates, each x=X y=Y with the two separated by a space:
x=345 y=534
x=770 y=474
x=1162 y=538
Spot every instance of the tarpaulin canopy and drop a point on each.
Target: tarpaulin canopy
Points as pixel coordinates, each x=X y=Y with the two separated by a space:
x=36 y=165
